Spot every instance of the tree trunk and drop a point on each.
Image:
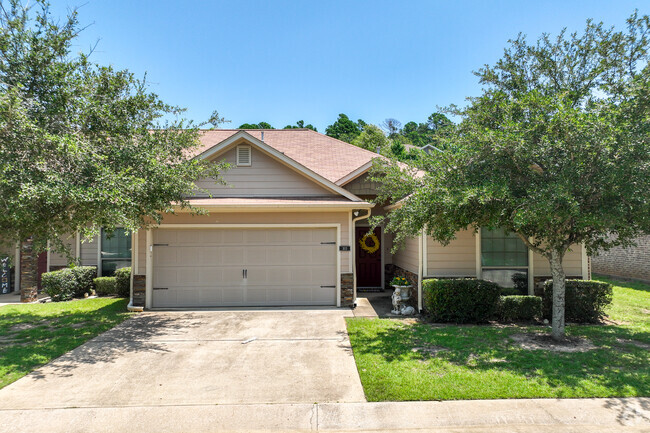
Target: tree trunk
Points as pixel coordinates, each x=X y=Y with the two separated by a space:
x=28 y=269
x=559 y=281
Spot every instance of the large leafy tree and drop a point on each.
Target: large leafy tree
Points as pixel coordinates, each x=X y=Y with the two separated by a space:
x=261 y=125
x=345 y=129
x=300 y=125
x=82 y=146
x=554 y=150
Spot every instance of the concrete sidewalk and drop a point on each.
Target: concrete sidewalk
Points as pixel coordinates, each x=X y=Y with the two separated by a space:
x=519 y=416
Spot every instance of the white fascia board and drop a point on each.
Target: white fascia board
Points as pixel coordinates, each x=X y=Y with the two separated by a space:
x=355 y=174
x=281 y=157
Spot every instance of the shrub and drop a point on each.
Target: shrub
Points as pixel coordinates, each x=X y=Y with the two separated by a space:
x=510 y=291
x=68 y=283
x=460 y=300
x=519 y=308
x=520 y=281
x=123 y=282
x=105 y=286
x=585 y=301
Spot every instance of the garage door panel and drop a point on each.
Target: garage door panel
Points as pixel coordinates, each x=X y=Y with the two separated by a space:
x=205 y=267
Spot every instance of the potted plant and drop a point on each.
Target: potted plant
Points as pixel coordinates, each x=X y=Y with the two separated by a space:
x=403 y=285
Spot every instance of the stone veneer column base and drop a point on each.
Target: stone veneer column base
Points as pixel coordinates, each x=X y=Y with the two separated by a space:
x=28 y=272
x=347 y=290
x=139 y=290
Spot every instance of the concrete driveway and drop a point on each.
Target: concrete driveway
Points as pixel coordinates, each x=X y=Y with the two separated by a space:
x=198 y=358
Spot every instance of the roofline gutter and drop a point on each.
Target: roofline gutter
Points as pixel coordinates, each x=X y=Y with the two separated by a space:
x=334 y=207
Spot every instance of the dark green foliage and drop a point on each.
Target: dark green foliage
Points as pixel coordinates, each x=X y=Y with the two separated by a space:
x=519 y=308
x=123 y=282
x=521 y=283
x=261 y=125
x=345 y=129
x=301 y=124
x=585 y=301
x=105 y=286
x=510 y=291
x=460 y=300
x=68 y=283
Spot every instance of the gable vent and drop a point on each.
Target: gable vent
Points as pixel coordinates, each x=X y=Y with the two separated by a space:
x=244 y=156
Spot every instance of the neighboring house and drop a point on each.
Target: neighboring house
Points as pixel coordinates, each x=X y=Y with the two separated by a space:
x=632 y=262
x=288 y=229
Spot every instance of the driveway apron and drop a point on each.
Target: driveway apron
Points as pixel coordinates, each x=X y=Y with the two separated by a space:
x=201 y=357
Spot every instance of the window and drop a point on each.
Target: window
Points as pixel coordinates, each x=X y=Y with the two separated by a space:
x=244 y=158
x=115 y=251
x=503 y=254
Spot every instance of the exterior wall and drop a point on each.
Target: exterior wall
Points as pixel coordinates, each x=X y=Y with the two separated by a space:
x=458 y=259
x=572 y=264
x=347 y=290
x=89 y=252
x=59 y=260
x=407 y=256
x=141 y=252
x=362 y=186
x=633 y=262
x=342 y=218
x=266 y=177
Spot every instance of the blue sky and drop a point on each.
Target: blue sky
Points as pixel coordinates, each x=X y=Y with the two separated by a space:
x=282 y=61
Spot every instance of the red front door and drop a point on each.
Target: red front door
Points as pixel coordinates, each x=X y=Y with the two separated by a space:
x=368 y=261
x=42 y=267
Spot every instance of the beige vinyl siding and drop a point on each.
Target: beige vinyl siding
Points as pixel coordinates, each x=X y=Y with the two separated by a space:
x=572 y=264
x=407 y=256
x=362 y=186
x=341 y=218
x=57 y=259
x=266 y=177
x=458 y=259
x=89 y=252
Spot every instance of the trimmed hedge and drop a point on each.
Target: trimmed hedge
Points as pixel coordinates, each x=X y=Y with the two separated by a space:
x=460 y=300
x=68 y=283
x=519 y=308
x=520 y=281
x=123 y=282
x=105 y=286
x=585 y=301
x=510 y=291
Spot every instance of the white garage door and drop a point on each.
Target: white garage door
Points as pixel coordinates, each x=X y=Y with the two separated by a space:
x=244 y=267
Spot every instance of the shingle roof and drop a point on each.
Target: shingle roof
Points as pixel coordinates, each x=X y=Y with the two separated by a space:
x=331 y=158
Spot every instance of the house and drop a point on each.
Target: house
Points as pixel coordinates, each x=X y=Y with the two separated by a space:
x=631 y=262
x=290 y=227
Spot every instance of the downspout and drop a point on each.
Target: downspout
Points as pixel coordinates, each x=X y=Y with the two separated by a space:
x=353 y=250
x=420 y=267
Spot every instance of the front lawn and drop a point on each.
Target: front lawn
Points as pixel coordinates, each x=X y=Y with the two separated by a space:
x=32 y=335
x=398 y=360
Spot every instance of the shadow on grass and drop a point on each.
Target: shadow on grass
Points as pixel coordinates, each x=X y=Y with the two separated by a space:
x=621 y=369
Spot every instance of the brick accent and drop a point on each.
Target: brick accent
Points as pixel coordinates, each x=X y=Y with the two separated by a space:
x=28 y=272
x=633 y=262
x=347 y=290
x=392 y=271
x=139 y=290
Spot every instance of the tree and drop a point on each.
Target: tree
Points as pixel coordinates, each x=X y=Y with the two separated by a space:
x=554 y=150
x=372 y=138
x=392 y=127
x=345 y=129
x=82 y=146
x=261 y=125
x=301 y=124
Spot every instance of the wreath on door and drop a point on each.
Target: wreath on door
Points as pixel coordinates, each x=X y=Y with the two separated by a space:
x=370 y=249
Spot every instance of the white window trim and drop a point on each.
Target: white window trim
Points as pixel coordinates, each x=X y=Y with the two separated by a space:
x=250 y=155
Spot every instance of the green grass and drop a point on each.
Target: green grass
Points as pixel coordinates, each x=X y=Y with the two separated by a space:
x=32 y=335
x=483 y=362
